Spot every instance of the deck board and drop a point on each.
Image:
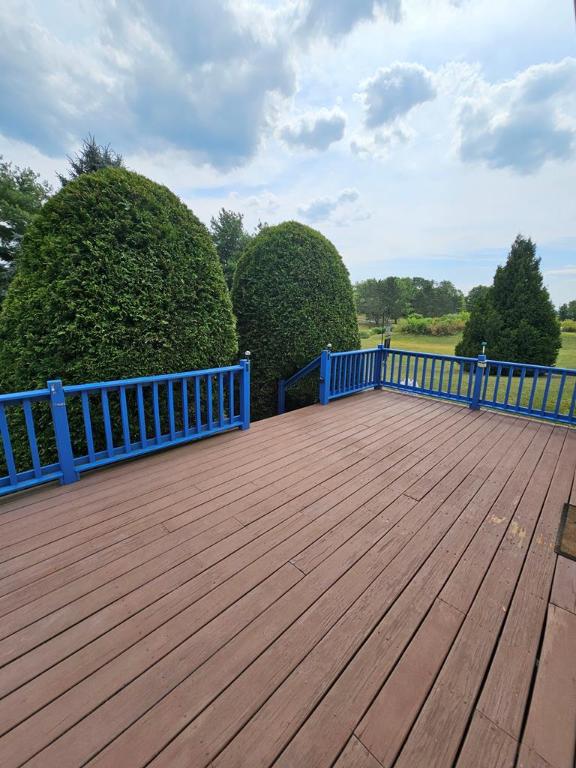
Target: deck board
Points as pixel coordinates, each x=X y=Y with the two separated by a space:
x=362 y=584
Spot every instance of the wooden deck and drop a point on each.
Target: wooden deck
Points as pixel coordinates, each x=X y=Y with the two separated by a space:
x=368 y=584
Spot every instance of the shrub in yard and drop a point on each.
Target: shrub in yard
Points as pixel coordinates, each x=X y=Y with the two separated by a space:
x=116 y=278
x=292 y=296
x=447 y=325
x=569 y=326
x=419 y=326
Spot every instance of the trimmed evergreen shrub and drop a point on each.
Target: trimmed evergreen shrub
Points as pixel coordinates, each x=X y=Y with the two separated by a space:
x=515 y=316
x=292 y=296
x=116 y=278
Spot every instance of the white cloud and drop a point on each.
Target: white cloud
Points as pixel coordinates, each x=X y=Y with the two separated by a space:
x=195 y=79
x=336 y=18
x=393 y=91
x=315 y=130
x=205 y=78
x=267 y=203
x=524 y=122
x=322 y=208
x=568 y=271
x=380 y=144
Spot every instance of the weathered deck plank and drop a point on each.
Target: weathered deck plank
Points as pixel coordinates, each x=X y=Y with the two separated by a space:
x=360 y=585
x=551 y=730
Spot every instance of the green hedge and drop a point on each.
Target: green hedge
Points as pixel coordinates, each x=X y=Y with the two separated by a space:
x=292 y=296
x=568 y=326
x=116 y=278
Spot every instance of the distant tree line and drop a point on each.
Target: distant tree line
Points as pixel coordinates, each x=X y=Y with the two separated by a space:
x=393 y=297
x=22 y=195
x=567 y=311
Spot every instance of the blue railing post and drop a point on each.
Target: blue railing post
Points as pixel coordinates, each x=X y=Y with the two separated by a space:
x=325 y=364
x=378 y=366
x=478 y=377
x=281 y=396
x=245 y=392
x=62 y=432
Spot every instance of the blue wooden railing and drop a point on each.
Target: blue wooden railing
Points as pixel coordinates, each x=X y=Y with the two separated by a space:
x=285 y=384
x=91 y=425
x=531 y=390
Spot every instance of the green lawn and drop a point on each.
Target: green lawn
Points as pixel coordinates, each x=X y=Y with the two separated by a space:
x=441 y=345
x=444 y=345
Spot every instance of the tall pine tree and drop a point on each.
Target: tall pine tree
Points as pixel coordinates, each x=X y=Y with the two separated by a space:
x=92 y=157
x=516 y=317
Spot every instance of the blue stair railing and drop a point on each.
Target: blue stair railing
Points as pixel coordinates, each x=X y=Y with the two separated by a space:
x=285 y=384
x=86 y=426
x=542 y=392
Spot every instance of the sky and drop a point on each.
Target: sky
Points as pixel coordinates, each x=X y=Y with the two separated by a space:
x=420 y=136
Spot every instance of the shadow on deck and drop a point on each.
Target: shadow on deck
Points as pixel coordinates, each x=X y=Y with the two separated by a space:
x=369 y=584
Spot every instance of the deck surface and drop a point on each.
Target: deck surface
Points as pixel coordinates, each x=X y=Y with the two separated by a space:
x=367 y=584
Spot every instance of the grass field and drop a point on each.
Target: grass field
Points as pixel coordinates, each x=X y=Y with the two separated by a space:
x=444 y=345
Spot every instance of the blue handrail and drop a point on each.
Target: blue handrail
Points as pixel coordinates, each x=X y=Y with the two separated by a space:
x=284 y=384
x=108 y=421
x=530 y=390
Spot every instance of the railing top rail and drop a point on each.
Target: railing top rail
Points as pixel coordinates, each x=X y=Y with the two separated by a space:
x=532 y=366
x=503 y=363
x=411 y=352
x=354 y=352
x=71 y=389
x=33 y=394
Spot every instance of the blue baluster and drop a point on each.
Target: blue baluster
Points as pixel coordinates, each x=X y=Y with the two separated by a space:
x=185 y=415
x=231 y=396
x=171 y=419
x=29 y=418
x=559 y=396
x=546 y=391
x=141 y=414
x=125 y=421
x=85 y=397
x=509 y=384
x=156 y=409
x=220 y=400
x=107 y=422
x=8 y=452
x=197 y=404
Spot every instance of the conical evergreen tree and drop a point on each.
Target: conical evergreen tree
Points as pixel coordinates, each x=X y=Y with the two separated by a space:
x=516 y=317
